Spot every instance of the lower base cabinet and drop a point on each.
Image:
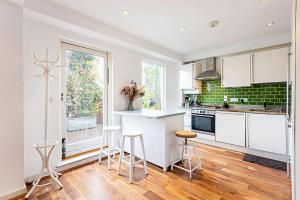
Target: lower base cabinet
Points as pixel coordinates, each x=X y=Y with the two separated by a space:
x=230 y=128
x=266 y=132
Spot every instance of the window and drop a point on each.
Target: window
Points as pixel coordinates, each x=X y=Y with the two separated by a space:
x=153 y=81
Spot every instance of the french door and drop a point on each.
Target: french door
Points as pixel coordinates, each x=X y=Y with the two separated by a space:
x=84 y=98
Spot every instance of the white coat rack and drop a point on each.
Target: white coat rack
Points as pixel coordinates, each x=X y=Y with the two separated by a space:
x=46 y=147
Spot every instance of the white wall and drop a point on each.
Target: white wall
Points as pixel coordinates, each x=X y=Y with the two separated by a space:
x=126 y=67
x=11 y=101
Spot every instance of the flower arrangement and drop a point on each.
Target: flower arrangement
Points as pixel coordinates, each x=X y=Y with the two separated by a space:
x=133 y=93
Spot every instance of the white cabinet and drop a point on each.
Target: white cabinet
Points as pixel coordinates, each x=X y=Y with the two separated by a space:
x=186 y=76
x=270 y=66
x=236 y=71
x=187 y=119
x=230 y=128
x=266 y=132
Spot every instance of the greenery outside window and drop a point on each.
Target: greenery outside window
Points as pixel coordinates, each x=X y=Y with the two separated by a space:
x=153 y=81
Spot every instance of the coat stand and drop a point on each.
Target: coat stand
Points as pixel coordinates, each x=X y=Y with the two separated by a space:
x=46 y=147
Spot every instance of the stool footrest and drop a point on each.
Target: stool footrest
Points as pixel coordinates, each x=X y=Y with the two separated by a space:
x=124 y=159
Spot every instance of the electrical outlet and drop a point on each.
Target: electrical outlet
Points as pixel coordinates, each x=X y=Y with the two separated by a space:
x=234 y=99
x=244 y=99
x=225 y=98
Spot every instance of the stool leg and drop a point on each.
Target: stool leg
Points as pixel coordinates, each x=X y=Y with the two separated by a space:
x=190 y=167
x=131 y=159
x=182 y=154
x=108 y=149
x=144 y=154
x=121 y=155
x=101 y=147
x=113 y=145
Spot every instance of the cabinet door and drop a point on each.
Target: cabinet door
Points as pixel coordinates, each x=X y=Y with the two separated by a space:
x=187 y=120
x=197 y=69
x=230 y=128
x=270 y=66
x=236 y=71
x=266 y=132
x=186 y=76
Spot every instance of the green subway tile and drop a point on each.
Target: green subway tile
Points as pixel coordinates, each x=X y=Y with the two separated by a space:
x=272 y=93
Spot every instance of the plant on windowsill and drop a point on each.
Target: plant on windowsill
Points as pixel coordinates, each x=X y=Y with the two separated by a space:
x=133 y=93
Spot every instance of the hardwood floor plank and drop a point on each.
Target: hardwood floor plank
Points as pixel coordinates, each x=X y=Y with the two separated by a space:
x=225 y=176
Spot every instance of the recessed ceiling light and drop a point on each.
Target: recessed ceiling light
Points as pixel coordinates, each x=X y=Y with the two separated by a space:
x=202 y=43
x=271 y=23
x=125 y=12
x=181 y=29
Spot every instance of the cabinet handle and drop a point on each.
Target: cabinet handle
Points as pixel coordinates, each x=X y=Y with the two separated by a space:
x=247 y=130
x=252 y=68
x=222 y=72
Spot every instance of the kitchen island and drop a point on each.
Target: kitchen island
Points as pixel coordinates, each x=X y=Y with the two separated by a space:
x=158 y=128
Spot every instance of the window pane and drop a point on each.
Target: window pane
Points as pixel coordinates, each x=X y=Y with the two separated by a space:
x=153 y=82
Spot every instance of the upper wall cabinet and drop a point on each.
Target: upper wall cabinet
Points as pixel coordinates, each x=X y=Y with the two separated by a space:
x=186 y=77
x=270 y=66
x=188 y=73
x=236 y=71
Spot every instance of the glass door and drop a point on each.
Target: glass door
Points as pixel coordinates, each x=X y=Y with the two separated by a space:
x=84 y=98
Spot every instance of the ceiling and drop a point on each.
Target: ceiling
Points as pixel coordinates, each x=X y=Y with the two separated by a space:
x=160 y=21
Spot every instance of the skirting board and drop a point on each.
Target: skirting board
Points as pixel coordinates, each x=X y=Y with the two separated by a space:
x=273 y=156
x=69 y=164
x=14 y=193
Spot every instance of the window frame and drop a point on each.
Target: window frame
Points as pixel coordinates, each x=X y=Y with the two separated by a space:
x=162 y=82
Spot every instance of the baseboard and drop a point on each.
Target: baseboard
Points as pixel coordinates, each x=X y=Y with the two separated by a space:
x=273 y=156
x=70 y=164
x=14 y=193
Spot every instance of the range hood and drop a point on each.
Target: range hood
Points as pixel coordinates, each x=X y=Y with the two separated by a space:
x=207 y=69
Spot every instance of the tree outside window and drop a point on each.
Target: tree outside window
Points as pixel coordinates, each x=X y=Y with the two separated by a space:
x=84 y=89
x=153 y=83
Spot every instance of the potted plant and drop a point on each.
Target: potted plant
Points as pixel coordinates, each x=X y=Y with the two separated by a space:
x=133 y=93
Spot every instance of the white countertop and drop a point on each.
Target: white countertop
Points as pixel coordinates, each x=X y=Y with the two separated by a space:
x=149 y=113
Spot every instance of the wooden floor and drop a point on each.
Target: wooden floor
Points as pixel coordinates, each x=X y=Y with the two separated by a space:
x=224 y=177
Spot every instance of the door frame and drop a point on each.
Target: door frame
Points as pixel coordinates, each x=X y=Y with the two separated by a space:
x=83 y=48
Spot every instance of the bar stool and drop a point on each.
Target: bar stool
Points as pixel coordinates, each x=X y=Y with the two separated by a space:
x=111 y=149
x=132 y=135
x=186 y=134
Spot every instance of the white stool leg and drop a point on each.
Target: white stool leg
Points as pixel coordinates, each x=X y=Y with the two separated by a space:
x=190 y=168
x=144 y=154
x=108 y=149
x=113 y=145
x=121 y=155
x=101 y=147
x=131 y=159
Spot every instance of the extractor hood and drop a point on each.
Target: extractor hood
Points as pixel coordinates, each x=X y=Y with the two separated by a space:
x=207 y=69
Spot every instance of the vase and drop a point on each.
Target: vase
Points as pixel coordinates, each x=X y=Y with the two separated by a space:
x=130 y=105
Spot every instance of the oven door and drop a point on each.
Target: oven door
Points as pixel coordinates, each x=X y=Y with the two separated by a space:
x=203 y=123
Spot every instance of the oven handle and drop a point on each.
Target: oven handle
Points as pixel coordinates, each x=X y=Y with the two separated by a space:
x=210 y=116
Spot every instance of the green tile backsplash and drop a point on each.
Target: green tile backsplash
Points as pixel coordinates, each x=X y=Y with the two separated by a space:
x=272 y=93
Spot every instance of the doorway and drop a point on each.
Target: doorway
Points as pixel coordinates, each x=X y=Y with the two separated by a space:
x=84 y=97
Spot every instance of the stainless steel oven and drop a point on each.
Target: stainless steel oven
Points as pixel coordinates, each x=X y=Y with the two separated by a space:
x=203 y=121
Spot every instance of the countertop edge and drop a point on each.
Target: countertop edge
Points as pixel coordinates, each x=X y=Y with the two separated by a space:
x=159 y=116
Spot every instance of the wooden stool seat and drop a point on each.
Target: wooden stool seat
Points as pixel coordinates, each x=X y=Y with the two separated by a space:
x=185 y=134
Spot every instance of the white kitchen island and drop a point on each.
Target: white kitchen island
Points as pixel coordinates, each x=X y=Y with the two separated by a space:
x=158 y=128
